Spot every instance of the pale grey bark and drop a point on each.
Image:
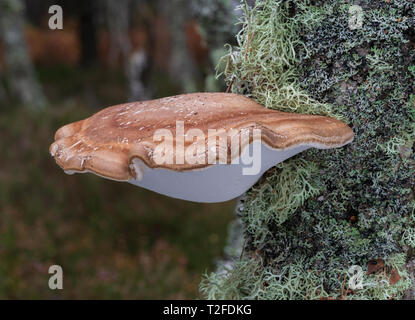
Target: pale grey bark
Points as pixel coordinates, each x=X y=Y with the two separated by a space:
x=137 y=64
x=19 y=71
x=235 y=242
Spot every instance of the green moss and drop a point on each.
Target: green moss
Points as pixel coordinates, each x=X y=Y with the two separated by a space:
x=312 y=217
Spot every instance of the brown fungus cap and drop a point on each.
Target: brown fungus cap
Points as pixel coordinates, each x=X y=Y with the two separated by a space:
x=108 y=141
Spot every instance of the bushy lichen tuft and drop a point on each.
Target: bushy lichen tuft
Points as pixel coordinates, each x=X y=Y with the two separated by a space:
x=314 y=216
x=266 y=58
x=281 y=192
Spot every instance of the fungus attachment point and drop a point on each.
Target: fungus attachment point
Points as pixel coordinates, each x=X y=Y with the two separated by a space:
x=205 y=147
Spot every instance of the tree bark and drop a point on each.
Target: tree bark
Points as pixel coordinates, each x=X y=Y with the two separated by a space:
x=314 y=216
x=118 y=27
x=135 y=62
x=20 y=75
x=182 y=67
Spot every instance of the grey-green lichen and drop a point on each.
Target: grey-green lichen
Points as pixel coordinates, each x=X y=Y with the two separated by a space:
x=314 y=216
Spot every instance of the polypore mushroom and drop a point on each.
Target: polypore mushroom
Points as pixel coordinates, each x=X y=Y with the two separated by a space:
x=204 y=147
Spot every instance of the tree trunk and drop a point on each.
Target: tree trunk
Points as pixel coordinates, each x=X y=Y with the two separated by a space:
x=314 y=216
x=19 y=71
x=135 y=62
x=88 y=32
x=182 y=67
x=118 y=28
x=217 y=23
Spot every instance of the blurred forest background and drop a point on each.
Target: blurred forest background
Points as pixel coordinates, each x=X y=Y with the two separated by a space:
x=113 y=240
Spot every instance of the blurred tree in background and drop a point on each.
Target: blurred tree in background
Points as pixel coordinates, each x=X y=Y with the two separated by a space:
x=88 y=31
x=20 y=77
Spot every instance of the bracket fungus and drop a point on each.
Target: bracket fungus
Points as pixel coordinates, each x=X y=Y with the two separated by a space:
x=204 y=147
